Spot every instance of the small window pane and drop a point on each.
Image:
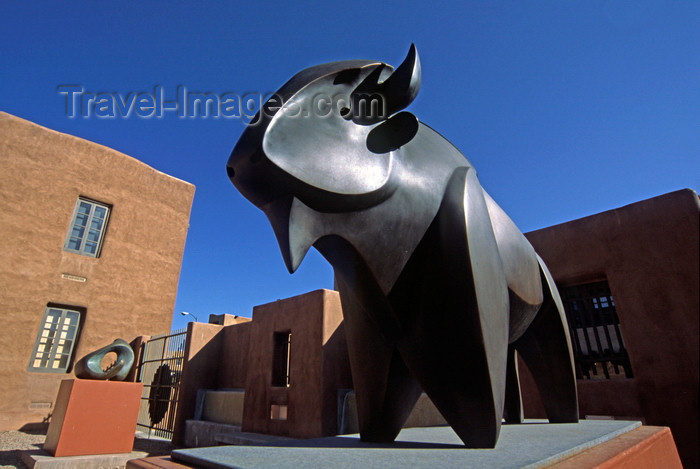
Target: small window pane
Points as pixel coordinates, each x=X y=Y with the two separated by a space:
x=96 y=224
x=81 y=218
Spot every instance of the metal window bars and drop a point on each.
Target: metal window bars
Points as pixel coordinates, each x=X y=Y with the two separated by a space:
x=599 y=349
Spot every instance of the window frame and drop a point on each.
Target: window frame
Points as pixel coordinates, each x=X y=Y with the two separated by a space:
x=67 y=323
x=87 y=228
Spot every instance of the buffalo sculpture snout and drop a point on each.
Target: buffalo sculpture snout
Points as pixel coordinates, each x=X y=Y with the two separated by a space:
x=438 y=286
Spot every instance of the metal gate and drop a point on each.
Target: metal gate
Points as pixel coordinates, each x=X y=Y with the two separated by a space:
x=160 y=371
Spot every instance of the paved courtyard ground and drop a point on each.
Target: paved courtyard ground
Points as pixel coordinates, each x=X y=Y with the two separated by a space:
x=12 y=443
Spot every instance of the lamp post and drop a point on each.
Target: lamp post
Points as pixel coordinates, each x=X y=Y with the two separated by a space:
x=185 y=313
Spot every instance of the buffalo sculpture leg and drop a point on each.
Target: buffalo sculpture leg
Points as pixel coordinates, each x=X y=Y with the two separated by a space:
x=513 y=411
x=385 y=389
x=546 y=348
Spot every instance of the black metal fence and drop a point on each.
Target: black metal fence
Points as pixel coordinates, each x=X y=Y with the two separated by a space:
x=160 y=370
x=599 y=350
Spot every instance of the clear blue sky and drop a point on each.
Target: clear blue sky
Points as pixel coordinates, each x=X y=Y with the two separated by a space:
x=566 y=108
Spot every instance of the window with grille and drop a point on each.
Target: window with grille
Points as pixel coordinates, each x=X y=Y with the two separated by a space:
x=87 y=228
x=599 y=350
x=56 y=340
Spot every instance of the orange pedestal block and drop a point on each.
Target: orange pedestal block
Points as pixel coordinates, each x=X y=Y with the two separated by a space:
x=93 y=417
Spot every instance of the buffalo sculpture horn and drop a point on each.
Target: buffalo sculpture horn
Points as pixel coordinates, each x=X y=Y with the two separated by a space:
x=438 y=286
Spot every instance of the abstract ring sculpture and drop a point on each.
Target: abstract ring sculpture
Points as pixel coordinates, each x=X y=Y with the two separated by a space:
x=89 y=367
x=439 y=288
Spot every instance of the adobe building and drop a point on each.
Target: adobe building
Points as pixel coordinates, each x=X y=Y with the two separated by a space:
x=630 y=283
x=290 y=362
x=92 y=247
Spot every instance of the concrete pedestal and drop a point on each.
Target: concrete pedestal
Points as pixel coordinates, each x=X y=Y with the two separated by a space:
x=608 y=444
x=37 y=459
x=93 y=417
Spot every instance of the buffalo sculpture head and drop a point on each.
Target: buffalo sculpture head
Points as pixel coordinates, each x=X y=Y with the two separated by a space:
x=439 y=288
x=315 y=136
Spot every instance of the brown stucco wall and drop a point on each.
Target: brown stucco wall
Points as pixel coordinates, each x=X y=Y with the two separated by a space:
x=129 y=290
x=318 y=366
x=216 y=357
x=649 y=253
x=233 y=364
x=199 y=371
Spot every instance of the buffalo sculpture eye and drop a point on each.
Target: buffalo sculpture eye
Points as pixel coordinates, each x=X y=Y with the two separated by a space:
x=439 y=288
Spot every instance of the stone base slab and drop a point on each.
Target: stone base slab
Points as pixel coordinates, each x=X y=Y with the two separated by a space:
x=199 y=433
x=589 y=444
x=601 y=445
x=42 y=460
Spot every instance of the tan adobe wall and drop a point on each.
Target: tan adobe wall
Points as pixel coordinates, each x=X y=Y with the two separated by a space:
x=128 y=291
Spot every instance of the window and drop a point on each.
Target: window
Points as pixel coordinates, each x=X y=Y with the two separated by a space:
x=278 y=412
x=280 y=358
x=55 y=341
x=599 y=350
x=87 y=228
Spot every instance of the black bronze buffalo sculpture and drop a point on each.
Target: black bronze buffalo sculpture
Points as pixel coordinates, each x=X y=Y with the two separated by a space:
x=438 y=286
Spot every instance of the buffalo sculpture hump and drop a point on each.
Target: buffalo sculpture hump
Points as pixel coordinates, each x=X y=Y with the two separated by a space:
x=438 y=286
